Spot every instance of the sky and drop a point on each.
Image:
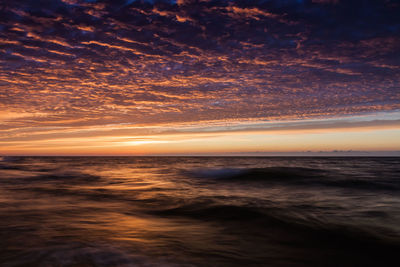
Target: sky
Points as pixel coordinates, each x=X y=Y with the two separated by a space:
x=129 y=77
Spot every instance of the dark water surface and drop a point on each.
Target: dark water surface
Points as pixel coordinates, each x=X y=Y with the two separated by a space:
x=199 y=211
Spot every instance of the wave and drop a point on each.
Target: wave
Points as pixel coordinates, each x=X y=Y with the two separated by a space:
x=68 y=176
x=77 y=254
x=38 y=178
x=215 y=211
x=287 y=220
x=298 y=176
x=270 y=173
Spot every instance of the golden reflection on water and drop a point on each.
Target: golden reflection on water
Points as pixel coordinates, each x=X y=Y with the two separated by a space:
x=194 y=211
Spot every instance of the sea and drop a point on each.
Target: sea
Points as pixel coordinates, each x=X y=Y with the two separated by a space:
x=199 y=211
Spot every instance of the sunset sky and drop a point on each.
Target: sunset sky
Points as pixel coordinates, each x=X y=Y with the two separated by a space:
x=128 y=77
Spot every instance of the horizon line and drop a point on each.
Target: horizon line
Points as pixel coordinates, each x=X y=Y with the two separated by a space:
x=394 y=153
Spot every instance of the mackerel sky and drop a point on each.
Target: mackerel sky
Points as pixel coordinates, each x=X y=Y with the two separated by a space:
x=73 y=64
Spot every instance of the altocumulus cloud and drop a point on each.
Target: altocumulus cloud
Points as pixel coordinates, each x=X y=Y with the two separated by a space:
x=73 y=63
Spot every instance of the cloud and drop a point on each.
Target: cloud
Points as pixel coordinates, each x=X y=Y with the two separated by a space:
x=149 y=63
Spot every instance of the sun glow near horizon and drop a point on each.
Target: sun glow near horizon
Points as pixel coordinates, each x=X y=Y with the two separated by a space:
x=378 y=132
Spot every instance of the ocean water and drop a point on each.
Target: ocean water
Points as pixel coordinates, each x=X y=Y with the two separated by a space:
x=199 y=211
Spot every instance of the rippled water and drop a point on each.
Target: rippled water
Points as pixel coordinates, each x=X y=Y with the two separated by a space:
x=199 y=211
